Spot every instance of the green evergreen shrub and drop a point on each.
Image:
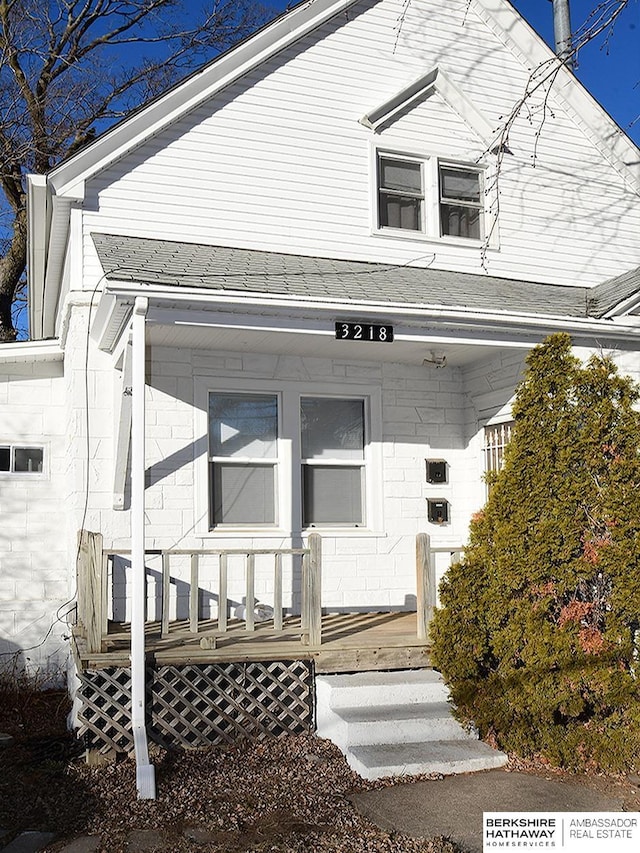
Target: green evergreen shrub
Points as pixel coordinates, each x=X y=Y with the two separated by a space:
x=538 y=629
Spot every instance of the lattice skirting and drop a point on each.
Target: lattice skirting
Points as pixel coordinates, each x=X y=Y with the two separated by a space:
x=198 y=705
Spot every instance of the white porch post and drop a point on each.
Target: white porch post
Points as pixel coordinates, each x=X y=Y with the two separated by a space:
x=145 y=771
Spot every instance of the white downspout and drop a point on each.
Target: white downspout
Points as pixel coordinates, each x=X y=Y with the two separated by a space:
x=145 y=771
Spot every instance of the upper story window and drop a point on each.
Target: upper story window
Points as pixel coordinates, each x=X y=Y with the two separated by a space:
x=15 y=459
x=460 y=202
x=426 y=196
x=400 y=193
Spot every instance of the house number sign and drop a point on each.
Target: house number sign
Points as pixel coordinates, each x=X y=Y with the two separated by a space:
x=364 y=332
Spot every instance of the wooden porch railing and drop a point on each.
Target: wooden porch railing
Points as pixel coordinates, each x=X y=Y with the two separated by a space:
x=92 y=580
x=426 y=580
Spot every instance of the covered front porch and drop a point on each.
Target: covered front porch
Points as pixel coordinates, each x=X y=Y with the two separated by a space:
x=362 y=639
x=322 y=442
x=214 y=679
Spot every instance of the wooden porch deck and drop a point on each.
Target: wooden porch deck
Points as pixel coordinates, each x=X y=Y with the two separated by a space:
x=350 y=642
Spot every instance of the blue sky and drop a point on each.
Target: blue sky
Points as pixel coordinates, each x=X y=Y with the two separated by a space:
x=610 y=71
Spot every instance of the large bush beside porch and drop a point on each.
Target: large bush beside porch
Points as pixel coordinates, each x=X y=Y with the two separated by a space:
x=538 y=630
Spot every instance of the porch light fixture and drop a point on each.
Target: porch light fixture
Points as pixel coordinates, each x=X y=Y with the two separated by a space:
x=436 y=358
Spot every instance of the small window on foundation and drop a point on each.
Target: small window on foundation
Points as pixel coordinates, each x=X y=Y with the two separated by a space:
x=15 y=459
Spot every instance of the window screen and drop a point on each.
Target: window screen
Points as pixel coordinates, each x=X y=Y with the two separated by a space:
x=332 y=495
x=460 y=202
x=332 y=442
x=243 y=433
x=401 y=195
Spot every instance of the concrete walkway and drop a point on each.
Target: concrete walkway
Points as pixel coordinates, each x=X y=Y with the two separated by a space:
x=453 y=806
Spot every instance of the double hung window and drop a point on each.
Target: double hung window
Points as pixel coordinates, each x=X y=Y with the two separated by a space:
x=265 y=449
x=21 y=460
x=333 y=442
x=429 y=197
x=400 y=193
x=243 y=455
x=460 y=202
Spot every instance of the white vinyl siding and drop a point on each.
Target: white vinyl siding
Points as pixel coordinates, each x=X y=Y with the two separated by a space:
x=280 y=162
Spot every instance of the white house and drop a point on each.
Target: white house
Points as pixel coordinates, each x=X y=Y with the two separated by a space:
x=265 y=302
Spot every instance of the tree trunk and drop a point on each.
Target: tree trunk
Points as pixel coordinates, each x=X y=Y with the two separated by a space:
x=12 y=267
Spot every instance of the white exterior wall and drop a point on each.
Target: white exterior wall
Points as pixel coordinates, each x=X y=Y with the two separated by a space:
x=280 y=161
x=425 y=414
x=34 y=567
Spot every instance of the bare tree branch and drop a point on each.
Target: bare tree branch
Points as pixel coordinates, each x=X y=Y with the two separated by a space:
x=68 y=69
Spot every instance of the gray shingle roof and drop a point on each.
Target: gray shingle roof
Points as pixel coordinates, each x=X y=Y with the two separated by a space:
x=610 y=293
x=218 y=268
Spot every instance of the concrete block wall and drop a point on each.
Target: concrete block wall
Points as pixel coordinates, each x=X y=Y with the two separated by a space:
x=426 y=413
x=34 y=577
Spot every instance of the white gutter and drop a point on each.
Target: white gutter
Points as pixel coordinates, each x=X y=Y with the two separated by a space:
x=145 y=771
x=515 y=322
x=30 y=351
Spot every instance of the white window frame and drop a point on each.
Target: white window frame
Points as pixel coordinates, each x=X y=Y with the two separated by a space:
x=337 y=462
x=253 y=461
x=24 y=445
x=288 y=468
x=431 y=223
x=480 y=206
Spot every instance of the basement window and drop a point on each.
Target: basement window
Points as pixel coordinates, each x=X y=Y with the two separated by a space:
x=17 y=459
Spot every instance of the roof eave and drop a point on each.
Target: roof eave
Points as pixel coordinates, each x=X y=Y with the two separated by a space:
x=118 y=297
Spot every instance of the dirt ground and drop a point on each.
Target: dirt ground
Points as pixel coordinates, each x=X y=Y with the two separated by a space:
x=289 y=795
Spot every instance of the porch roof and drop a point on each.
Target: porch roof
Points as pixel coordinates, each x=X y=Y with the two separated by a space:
x=219 y=268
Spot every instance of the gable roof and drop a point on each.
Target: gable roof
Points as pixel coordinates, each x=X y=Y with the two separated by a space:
x=51 y=199
x=286 y=29
x=245 y=271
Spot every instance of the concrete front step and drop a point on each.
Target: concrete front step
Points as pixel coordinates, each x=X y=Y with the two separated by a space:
x=399 y=723
x=410 y=759
x=384 y=688
x=393 y=723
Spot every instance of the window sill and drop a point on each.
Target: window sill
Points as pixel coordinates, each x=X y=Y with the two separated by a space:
x=343 y=532
x=271 y=533
x=423 y=237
